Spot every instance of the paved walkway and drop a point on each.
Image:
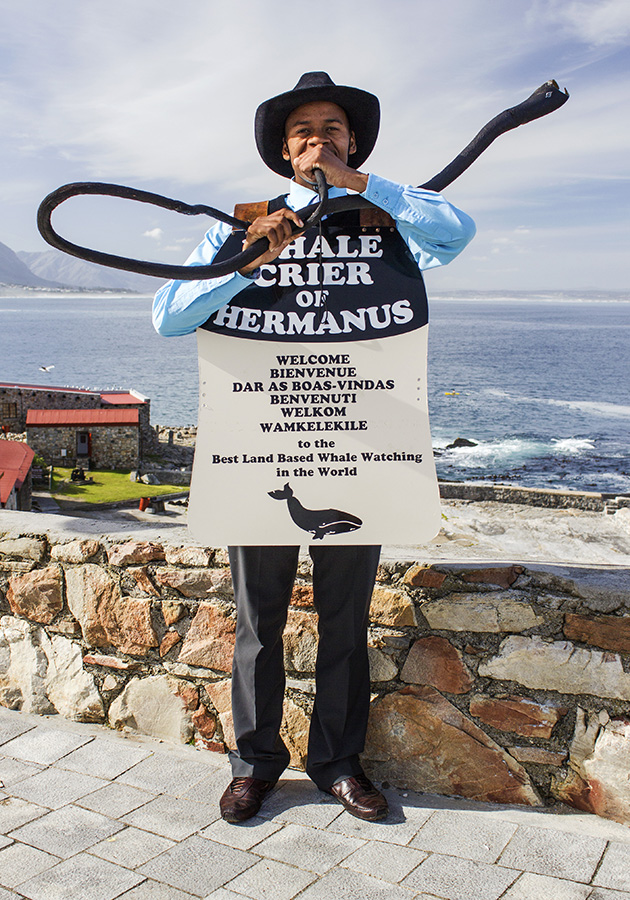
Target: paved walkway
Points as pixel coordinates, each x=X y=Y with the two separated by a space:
x=88 y=813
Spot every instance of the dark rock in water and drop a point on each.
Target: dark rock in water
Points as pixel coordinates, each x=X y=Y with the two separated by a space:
x=461 y=442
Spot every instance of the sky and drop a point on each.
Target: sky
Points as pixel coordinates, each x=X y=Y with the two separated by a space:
x=161 y=96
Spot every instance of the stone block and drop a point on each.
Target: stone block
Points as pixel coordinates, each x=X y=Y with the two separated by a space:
x=493 y=612
x=44 y=675
x=134 y=552
x=538 y=755
x=434 y=660
x=391 y=607
x=112 y=662
x=189 y=556
x=106 y=618
x=136 y=582
x=558 y=666
x=195 y=583
x=153 y=706
x=518 y=714
x=417 y=739
x=172 y=611
x=220 y=695
x=302 y=595
x=210 y=639
x=607 y=632
x=23 y=548
x=600 y=590
x=168 y=642
x=300 y=641
x=597 y=781
x=204 y=722
x=382 y=667
x=503 y=576
x=294 y=733
x=424 y=577
x=37 y=595
x=78 y=551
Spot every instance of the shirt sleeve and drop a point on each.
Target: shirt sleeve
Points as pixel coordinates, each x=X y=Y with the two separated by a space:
x=435 y=231
x=180 y=307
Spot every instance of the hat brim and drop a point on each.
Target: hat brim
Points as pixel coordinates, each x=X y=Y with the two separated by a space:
x=361 y=107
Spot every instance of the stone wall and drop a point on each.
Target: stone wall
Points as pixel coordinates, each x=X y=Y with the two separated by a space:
x=112 y=446
x=506 y=684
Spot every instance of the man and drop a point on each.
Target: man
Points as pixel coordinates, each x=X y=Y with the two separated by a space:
x=316 y=125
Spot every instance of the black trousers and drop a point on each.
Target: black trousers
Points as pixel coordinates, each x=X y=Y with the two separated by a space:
x=343 y=581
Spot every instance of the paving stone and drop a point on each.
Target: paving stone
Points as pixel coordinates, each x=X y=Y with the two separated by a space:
x=8 y=895
x=66 y=831
x=318 y=851
x=83 y=877
x=44 y=745
x=598 y=894
x=556 y=853
x=459 y=879
x=5 y=841
x=382 y=861
x=15 y=812
x=172 y=818
x=535 y=887
x=14 y=770
x=104 y=758
x=19 y=862
x=131 y=847
x=166 y=773
x=465 y=834
x=400 y=826
x=115 y=800
x=614 y=871
x=271 y=880
x=198 y=865
x=11 y=725
x=219 y=894
x=55 y=788
x=340 y=885
x=246 y=836
x=302 y=803
x=154 y=890
x=209 y=789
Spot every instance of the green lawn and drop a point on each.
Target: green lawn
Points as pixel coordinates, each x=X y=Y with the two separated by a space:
x=108 y=487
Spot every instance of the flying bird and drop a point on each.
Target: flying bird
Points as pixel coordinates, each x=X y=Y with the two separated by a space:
x=46 y=368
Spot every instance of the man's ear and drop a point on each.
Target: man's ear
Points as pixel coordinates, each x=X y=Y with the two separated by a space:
x=352 y=147
x=285 y=150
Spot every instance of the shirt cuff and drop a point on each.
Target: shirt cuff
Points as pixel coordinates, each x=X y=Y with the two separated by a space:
x=383 y=193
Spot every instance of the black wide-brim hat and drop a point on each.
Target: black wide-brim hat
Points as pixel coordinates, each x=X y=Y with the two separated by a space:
x=363 y=111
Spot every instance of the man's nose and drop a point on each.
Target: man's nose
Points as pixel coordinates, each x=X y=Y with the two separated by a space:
x=315 y=139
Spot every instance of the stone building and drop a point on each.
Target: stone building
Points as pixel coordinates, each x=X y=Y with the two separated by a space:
x=16 y=459
x=98 y=438
x=17 y=399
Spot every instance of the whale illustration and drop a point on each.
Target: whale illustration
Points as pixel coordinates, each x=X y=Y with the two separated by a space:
x=319 y=522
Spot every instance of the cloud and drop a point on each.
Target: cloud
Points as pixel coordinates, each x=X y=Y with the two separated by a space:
x=596 y=22
x=154 y=233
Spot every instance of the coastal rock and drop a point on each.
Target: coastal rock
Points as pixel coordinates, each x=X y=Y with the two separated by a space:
x=558 y=666
x=424 y=576
x=598 y=777
x=417 y=739
x=75 y=551
x=198 y=583
x=518 y=714
x=391 y=607
x=153 y=706
x=210 y=639
x=94 y=599
x=382 y=668
x=189 y=556
x=37 y=595
x=220 y=695
x=43 y=676
x=134 y=552
x=300 y=641
x=434 y=660
x=23 y=548
x=607 y=632
x=493 y=612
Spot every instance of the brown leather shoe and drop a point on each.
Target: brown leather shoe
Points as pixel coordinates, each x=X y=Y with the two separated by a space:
x=243 y=798
x=360 y=798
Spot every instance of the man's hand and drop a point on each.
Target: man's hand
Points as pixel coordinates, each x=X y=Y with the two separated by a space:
x=337 y=173
x=277 y=229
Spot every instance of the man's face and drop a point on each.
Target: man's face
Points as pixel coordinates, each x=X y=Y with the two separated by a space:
x=317 y=123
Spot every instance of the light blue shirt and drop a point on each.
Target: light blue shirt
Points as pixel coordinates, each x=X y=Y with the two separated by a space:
x=435 y=232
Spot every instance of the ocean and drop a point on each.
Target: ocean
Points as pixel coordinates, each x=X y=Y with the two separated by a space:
x=539 y=383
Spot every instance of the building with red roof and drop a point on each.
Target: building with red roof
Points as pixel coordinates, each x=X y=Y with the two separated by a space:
x=102 y=438
x=16 y=459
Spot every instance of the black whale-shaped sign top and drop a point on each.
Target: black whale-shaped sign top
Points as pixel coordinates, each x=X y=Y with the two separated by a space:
x=318 y=522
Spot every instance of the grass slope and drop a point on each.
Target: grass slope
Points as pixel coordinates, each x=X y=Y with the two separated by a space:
x=108 y=487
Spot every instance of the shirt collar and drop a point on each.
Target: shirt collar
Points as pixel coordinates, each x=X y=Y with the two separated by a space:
x=300 y=196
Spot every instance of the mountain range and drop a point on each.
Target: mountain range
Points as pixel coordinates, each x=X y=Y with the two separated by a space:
x=54 y=270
